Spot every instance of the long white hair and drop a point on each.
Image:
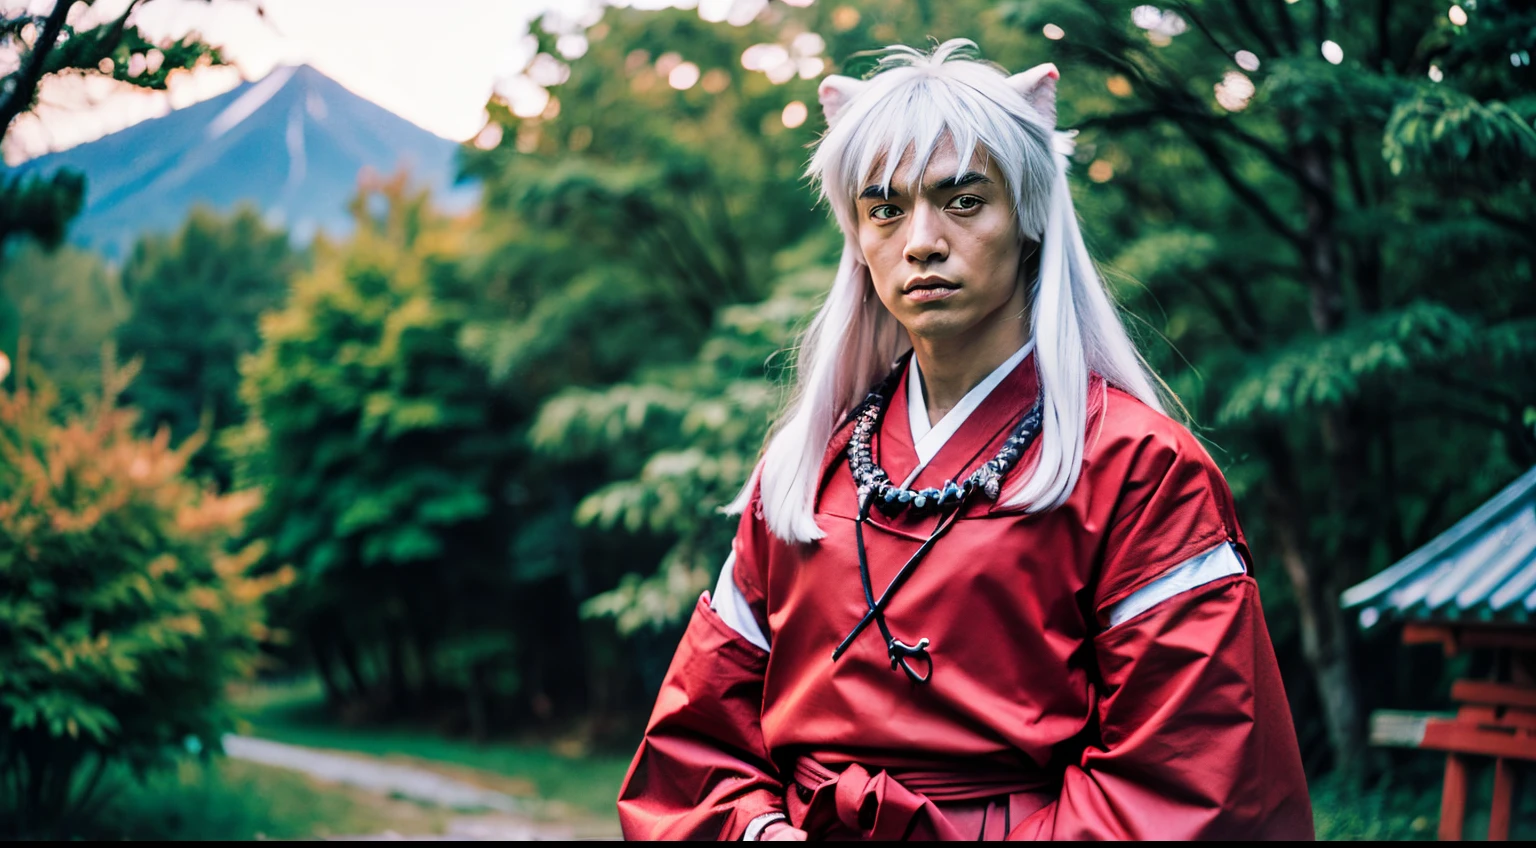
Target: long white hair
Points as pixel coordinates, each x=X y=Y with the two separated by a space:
x=915 y=101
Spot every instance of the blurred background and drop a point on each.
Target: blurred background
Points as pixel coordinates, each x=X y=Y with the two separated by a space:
x=371 y=371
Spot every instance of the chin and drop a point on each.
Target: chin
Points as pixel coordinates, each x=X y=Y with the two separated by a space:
x=939 y=325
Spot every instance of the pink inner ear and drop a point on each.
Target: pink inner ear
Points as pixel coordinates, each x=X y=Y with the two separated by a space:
x=1032 y=82
x=831 y=104
x=835 y=92
x=1038 y=85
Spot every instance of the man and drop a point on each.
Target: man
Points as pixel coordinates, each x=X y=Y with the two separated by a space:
x=1016 y=606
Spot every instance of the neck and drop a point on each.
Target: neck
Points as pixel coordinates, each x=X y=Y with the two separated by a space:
x=951 y=367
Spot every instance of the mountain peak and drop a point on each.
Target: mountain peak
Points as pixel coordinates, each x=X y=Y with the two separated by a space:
x=291 y=143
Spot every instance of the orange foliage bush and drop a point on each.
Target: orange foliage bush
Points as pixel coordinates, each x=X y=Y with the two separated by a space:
x=124 y=606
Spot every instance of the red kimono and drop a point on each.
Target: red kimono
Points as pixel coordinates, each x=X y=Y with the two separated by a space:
x=1041 y=719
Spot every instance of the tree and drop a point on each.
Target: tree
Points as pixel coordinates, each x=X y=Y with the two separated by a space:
x=383 y=454
x=67 y=304
x=628 y=210
x=699 y=427
x=123 y=609
x=195 y=297
x=49 y=44
x=1294 y=185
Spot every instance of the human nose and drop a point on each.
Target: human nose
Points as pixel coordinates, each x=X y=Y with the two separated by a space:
x=925 y=236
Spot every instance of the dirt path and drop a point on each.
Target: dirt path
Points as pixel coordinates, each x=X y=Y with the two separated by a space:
x=489 y=814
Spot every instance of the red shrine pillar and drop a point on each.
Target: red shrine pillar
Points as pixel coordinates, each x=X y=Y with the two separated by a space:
x=1494 y=718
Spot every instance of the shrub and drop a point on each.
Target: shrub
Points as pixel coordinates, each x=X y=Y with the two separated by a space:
x=123 y=611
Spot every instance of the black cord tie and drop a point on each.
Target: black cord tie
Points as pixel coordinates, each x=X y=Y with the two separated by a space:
x=875 y=489
x=900 y=653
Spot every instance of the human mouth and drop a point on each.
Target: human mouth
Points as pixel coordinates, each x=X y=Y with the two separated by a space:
x=925 y=289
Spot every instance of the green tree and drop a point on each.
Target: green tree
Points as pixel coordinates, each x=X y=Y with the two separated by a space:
x=384 y=455
x=699 y=426
x=194 y=300
x=629 y=211
x=67 y=304
x=123 y=611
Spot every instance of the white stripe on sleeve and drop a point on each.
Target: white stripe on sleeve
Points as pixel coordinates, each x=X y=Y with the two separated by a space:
x=733 y=608
x=1216 y=563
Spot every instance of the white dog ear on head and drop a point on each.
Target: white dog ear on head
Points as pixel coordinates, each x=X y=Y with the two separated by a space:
x=835 y=92
x=1038 y=85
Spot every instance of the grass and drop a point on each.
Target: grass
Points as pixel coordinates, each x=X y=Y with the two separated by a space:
x=1406 y=805
x=229 y=799
x=223 y=798
x=588 y=783
x=1345 y=812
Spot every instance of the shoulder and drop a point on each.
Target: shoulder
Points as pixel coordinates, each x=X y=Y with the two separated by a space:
x=1126 y=434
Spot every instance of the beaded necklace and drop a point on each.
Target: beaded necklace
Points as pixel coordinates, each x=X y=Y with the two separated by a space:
x=875 y=489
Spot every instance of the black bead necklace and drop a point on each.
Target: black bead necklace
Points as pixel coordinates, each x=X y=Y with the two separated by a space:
x=875 y=489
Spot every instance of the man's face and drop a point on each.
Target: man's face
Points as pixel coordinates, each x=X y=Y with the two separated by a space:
x=944 y=251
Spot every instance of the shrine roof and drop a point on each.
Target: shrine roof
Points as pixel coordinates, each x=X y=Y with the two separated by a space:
x=1482 y=569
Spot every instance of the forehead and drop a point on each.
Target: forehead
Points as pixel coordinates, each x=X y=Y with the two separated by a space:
x=942 y=163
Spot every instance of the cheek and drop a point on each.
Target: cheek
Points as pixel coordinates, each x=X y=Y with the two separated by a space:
x=999 y=242
x=877 y=249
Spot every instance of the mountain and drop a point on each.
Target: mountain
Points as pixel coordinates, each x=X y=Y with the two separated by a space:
x=292 y=144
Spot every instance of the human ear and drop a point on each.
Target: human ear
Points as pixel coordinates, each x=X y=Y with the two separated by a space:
x=835 y=92
x=1038 y=85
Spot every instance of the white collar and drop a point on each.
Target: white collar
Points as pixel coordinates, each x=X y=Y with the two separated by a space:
x=928 y=439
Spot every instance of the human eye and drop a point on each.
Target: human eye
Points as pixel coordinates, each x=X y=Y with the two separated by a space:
x=966 y=203
x=885 y=212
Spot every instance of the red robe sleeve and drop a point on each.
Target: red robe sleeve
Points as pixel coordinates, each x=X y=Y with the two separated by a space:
x=1195 y=735
x=703 y=771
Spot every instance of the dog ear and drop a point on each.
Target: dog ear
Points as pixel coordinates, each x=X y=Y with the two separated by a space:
x=835 y=93
x=1038 y=85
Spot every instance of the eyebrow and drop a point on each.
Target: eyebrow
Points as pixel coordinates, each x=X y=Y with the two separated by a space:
x=958 y=181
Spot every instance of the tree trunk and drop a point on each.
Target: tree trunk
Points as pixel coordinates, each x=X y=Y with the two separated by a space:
x=476 y=698
x=1327 y=635
x=348 y=653
x=394 y=655
x=424 y=650
x=322 y=660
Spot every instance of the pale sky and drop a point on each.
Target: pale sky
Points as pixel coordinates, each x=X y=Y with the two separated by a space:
x=433 y=62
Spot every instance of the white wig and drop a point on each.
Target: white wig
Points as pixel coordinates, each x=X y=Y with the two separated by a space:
x=912 y=104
